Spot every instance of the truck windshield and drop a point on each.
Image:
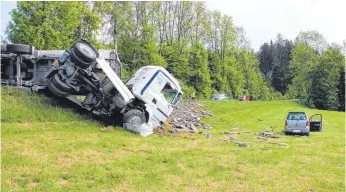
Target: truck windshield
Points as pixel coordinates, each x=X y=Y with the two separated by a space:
x=296 y=116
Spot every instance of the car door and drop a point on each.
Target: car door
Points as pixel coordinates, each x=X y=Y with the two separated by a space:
x=316 y=122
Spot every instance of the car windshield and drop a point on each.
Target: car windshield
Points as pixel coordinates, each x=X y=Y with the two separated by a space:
x=296 y=116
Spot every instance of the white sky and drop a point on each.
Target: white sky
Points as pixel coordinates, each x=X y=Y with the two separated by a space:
x=263 y=19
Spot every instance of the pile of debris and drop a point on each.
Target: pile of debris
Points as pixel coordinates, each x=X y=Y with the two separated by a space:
x=268 y=134
x=186 y=117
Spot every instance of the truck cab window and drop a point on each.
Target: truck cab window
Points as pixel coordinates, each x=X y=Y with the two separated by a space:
x=169 y=93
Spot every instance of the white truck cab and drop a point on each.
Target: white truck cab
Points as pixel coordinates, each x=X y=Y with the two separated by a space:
x=158 y=89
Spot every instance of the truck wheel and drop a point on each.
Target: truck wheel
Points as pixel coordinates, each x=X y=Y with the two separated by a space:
x=60 y=84
x=78 y=61
x=56 y=91
x=134 y=117
x=85 y=52
x=19 y=48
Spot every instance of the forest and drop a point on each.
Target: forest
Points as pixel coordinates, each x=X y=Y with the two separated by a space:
x=202 y=48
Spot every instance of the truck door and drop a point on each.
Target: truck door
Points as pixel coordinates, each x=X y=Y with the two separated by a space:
x=161 y=94
x=316 y=122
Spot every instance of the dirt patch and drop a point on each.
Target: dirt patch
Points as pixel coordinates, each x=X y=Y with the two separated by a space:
x=26 y=124
x=33 y=183
x=165 y=129
x=63 y=182
x=107 y=129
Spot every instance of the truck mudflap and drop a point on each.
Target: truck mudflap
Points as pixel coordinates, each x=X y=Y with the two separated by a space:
x=118 y=84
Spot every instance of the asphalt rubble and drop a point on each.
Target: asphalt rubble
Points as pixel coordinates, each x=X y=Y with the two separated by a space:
x=187 y=118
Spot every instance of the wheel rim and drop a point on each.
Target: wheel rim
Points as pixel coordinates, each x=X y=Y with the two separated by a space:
x=135 y=120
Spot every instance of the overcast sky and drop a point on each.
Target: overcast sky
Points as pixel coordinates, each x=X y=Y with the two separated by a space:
x=263 y=19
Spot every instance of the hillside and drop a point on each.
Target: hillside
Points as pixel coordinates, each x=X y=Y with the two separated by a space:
x=47 y=147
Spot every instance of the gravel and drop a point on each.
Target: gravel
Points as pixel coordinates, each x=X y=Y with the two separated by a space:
x=186 y=117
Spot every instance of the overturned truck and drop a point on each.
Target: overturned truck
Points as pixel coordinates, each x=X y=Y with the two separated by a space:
x=92 y=80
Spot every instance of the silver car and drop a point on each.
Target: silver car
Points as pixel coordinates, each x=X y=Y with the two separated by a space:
x=297 y=122
x=219 y=97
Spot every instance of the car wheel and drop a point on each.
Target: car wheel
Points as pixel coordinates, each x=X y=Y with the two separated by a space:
x=60 y=84
x=134 y=117
x=19 y=48
x=85 y=52
x=56 y=91
x=78 y=61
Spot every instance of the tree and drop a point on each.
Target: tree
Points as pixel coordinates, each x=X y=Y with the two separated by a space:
x=344 y=48
x=241 y=41
x=341 y=90
x=265 y=57
x=3 y=40
x=215 y=69
x=281 y=75
x=51 y=25
x=325 y=77
x=313 y=39
x=199 y=77
x=303 y=60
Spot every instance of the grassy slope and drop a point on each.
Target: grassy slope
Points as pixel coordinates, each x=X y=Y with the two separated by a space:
x=49 y=148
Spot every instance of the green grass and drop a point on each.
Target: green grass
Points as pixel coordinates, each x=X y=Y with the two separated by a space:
x=46 y=147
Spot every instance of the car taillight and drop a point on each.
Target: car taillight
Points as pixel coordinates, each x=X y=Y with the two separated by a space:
x=285 y=122
x=307 y=124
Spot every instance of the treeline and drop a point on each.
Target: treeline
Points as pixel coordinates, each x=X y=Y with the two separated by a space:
x=202 y=48
x=309 y=69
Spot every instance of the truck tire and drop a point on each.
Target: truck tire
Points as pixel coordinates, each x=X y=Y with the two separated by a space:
x=85 y=52
x=134 y=117
x=19 y=48
x=60 y=84
x=78 y=61
x=56 y=91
